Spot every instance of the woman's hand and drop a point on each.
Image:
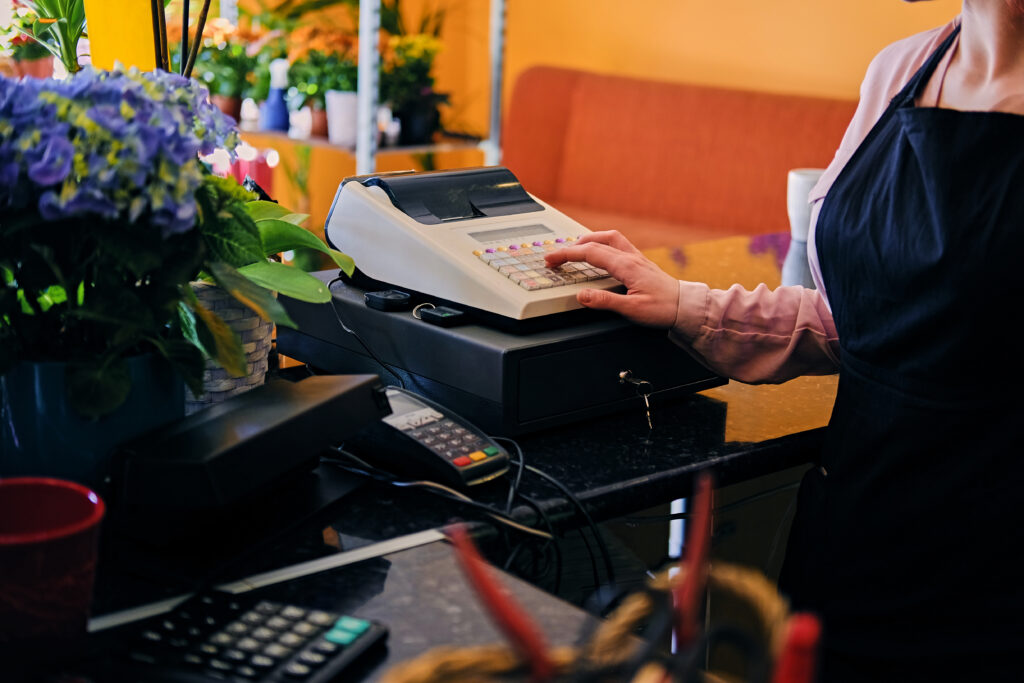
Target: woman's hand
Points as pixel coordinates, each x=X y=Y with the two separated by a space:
x=652 y=295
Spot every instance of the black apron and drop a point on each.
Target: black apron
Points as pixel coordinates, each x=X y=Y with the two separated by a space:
x=906 y=536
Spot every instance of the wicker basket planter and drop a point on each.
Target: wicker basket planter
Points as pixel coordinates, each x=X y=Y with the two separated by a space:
x=255 y=334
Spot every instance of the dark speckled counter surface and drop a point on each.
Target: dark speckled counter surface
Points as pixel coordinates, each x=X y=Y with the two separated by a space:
x=614 y=465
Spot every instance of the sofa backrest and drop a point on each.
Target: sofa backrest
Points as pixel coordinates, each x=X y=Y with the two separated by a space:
x=666 y=151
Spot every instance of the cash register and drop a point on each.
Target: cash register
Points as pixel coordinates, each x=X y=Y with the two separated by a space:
x=525 y=355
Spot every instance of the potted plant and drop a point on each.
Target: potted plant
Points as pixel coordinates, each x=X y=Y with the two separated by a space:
x=26 y=55
x=54 y=25
x=108 y=217
x=322 y=62
x=242 y=237
x=407 y=84
x=225 y=64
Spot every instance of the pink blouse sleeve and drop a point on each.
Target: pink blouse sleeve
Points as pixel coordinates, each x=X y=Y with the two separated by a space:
x=760 y=336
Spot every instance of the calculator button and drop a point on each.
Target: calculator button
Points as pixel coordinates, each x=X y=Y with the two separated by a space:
x=305 y=629
x=152 y=636
x=276 y=650
x=262 y=662
x=291 y=639
x=222 y=639
x=249 y=645
x=237 y=628
x=341 y=636
x=219 y=665
x=277 y=623
x=321 y=618
x=312 y=658
x=293 y=612
x=353 y=624
x=263 y=633
x=235 y=655
x=297 y=670
x=326 y=647
x=192 y=658
x=246 y=671
x=208 y=649
x=267 y=607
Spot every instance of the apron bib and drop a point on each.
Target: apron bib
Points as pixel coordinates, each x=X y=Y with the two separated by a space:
x=905 y=538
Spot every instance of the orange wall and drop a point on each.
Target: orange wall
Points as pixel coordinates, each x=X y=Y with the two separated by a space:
x=815 y=47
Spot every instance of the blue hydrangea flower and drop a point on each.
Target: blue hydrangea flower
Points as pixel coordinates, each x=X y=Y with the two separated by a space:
x=115 y=144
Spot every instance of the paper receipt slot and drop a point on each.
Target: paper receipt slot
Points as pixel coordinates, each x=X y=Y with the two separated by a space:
x=470 y=237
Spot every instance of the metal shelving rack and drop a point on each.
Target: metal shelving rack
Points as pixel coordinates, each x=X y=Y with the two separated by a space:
x=369 y=69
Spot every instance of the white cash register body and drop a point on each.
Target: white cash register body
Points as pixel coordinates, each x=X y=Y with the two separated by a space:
x=489 y=262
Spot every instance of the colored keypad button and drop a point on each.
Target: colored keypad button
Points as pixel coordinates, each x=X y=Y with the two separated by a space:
x=477 y=455
x=462 y=461
x=491 y=450
x=341 y=636
x=353 y=624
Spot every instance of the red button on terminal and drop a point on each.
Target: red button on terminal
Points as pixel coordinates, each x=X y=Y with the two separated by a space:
x=461 y=461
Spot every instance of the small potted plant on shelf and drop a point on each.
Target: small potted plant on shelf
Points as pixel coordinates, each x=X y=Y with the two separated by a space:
x=225 y=64
x=108 y=217
x=23 y=55
x=322 y=76
x=407 y=84
x=54 y=26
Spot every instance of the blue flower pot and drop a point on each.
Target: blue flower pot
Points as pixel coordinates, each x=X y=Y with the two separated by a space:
x=40 y=434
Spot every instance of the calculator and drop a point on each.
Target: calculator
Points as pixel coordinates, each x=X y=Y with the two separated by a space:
x=218 y=636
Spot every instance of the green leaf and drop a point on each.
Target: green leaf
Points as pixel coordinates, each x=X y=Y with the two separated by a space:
x=295 y=218
x=278 y=236
x=250 y=294
x=98 y=389
x=287 y=280
x=233 y=241
x=260 y=210
x=216 y=338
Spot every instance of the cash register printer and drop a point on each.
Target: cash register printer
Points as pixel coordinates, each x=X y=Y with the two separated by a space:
x=529 y=356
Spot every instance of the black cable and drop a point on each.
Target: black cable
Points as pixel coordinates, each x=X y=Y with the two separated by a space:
x=553 y=544
x=606 y=556
x=513 y=488
x=359 y=339
x=586 y=544
x=441 y=490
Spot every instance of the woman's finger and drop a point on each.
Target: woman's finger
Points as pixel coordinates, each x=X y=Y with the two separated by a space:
x=613 y=238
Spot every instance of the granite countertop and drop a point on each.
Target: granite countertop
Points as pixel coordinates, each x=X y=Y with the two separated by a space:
x=613 y=464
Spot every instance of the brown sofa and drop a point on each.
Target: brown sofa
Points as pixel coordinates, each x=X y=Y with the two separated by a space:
x=665 y=163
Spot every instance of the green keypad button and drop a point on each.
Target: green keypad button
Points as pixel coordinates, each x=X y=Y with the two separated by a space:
x=491 y=450
x=341 y=636
x=352 y=624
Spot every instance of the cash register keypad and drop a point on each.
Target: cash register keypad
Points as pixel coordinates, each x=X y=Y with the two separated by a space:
x=524 y=265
